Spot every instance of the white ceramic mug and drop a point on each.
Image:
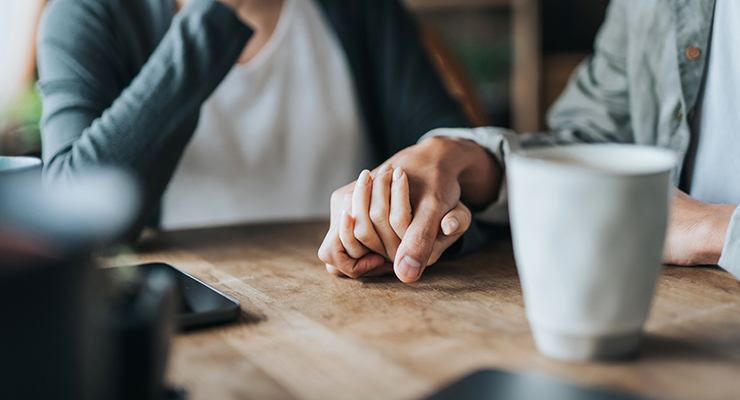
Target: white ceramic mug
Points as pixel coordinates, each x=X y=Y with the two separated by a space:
x=588 y=226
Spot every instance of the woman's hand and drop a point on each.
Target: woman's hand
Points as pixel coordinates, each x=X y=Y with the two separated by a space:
x=377 y=213
x=434 y=175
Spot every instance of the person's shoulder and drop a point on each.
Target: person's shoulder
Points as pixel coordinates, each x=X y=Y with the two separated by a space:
x=95 y=19
x=79 y=12
x=103 y=31
x=76 y=21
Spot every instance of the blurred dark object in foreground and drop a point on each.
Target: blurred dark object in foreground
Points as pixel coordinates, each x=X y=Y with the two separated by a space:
x=499 y=385
x=140 y=320
x=49 y=345
x=64 y=335
x=199 y=305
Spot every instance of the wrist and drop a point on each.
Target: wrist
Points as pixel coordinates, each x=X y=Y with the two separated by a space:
x=715 y=229
x=477 y=171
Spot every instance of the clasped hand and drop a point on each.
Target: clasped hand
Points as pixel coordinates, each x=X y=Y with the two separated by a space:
x=403 y=215
x=374 y=214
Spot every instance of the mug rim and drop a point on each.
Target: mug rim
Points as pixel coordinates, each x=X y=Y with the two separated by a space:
x=533 y=156
x=30 y=163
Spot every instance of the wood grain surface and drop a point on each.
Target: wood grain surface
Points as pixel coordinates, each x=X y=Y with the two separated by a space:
x=305 y=334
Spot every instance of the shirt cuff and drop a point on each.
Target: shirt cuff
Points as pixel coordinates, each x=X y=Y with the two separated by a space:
x=730 y=259
x=497 y=141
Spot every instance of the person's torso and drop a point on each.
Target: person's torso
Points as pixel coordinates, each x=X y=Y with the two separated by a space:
x=713 y=162
x=278 y=135
x=663 y=69
x=683 y=95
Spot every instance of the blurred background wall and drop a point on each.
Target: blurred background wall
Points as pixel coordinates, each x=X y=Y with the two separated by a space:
x=518 y=54
x=20 y=107
x=505 y=60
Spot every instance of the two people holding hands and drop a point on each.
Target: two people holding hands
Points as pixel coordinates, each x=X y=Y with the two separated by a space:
x=662 y=74
x=231 y=111
x=401 y=217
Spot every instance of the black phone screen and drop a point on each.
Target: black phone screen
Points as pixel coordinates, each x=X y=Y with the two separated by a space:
x=200 y=304
x=491 y=384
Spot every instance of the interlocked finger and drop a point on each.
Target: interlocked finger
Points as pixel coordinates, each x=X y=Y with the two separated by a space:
x=354 y=248
x=400 y=213
x=380 y=212
x=364 y=231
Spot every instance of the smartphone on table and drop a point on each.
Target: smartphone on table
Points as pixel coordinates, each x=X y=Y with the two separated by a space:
x=200 y=304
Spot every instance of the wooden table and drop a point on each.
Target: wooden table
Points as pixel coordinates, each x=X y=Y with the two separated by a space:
x=305 y=334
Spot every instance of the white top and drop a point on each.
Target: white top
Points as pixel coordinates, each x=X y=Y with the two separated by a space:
x=716 y=168
x=278 y=135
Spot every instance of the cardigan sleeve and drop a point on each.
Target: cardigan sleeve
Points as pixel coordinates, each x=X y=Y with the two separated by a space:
x=100 y=108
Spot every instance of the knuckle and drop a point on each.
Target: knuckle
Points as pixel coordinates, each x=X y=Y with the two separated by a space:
x=364 y=236
x=421 y=239
x=378 y=216
x=400 y=220
x=420 y=242
x=330 y=269
x=337 y=198
x=353 y=273
x=435 y=203
x=325 y=254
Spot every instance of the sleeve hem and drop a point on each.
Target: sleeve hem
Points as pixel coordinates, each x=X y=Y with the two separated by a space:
x=730 y=259
x=497 y=142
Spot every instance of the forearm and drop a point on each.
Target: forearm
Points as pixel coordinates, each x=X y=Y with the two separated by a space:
x=715 y=226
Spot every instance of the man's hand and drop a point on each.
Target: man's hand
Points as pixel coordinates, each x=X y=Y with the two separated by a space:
x=376 y=229
x=696 y=231
x=439 y=172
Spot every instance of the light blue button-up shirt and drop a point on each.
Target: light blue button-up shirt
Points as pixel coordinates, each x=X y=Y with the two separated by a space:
x=714 y=156
x=642 y=86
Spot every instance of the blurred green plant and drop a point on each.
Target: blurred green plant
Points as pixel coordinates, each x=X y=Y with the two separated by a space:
x=19 y=124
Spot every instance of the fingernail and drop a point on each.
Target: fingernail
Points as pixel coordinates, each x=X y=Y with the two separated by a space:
x=409 y=267
x=344 y=222
x=384 y=168
x=450 y=225
x=397 y=173
x=364 y=178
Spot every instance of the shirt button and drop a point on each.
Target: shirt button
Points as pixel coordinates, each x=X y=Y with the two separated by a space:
x=680 y=113
x=692 y=53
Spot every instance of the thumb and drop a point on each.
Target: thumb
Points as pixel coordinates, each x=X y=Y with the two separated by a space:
x=453 y=225
x=417 y=244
